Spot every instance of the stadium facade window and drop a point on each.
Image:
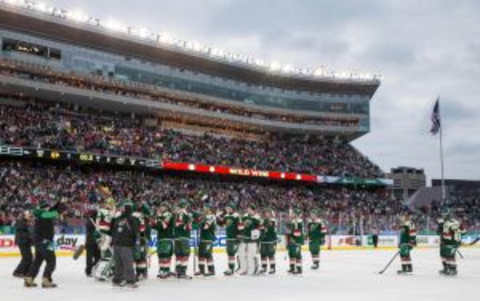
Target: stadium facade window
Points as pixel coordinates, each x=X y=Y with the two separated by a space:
x=331 y=104
x=31 y=49
x=55 y=54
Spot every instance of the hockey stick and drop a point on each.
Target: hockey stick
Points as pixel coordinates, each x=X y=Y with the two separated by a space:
x=389 y=263
x=79 y=251
x=475 y=241
x=460 y=254
x=195 y=253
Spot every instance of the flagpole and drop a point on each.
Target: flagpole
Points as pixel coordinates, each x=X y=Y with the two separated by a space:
x=441 y=154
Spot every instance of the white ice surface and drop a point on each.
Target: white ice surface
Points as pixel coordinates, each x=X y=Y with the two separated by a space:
x=344 y=275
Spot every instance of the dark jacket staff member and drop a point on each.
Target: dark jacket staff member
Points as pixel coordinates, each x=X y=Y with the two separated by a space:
x=91 y=245
x=124 y=238
x=23 y=239
x=43 y=235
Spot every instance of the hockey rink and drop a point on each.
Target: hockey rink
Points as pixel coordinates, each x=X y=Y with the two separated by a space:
x=343 y=275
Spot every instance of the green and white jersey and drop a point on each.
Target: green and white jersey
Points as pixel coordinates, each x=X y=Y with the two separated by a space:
x=269 y=230
x=104 y=220
x=164 y=224
x=207 y=227
x=295 y=232
x=230 y=222
x=408 y=233
x=247 y=225
x=183 y=224
x=451 y=232
x=142 y=222
x=317 y=230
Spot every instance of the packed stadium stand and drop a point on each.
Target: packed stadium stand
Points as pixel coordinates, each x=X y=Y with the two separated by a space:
x=55 y=126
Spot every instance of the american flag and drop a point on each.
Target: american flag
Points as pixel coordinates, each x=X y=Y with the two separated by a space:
x=436 y=125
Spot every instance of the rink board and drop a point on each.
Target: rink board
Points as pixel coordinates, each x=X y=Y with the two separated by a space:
x=65 y=244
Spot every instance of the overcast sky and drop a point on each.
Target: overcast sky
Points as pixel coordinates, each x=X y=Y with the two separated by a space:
x=422 y=48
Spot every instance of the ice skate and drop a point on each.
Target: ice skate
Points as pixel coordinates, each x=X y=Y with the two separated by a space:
x=272 y=270
x=201 y=271
x=299 y=271
x=292 y=270
x=48 y=283
x=131 y=285
x=19 y=275
x=211 y=272
x=228 y=273
x=28 y=282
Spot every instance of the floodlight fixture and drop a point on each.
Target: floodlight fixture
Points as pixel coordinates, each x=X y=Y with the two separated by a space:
x=275 y=66
x=166 y=38
x=114 y=25
x=41 y=6
x=319 y=72
x=77 y=16
x=143 y=33
x=287 y=69
x=196 y=46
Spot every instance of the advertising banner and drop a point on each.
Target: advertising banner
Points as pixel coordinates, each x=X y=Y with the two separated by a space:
x=135 y=162
x=67 y=243
x=62 y=243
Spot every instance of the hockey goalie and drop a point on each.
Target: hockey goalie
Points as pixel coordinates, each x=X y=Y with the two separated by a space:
x=103 y=271
x=249 y=234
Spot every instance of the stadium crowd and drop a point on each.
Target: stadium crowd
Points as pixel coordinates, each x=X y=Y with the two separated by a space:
x=347 y=210
x=108 y=85
x=465 y=203
x=61 y=127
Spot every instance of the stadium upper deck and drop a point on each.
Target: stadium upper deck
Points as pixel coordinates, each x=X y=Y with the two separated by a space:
x=66 y=41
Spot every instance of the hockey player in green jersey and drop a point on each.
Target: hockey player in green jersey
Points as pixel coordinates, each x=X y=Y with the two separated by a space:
x=182 y=231
x=450 y=240
x=295 y=240
x=142 y=214
x=164 y=224
x=230 y=219
x=207 y=227
x=408 y=240
x=317 y=230
x=268 y=241
x=249 y=235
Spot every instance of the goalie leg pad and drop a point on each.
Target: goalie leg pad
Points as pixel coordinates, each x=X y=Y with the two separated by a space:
x=242 y=256
x=104 y=270
x=105 y=242
x=252 y=260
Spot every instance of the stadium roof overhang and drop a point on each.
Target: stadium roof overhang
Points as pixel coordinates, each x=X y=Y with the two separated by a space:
x=85 y=37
